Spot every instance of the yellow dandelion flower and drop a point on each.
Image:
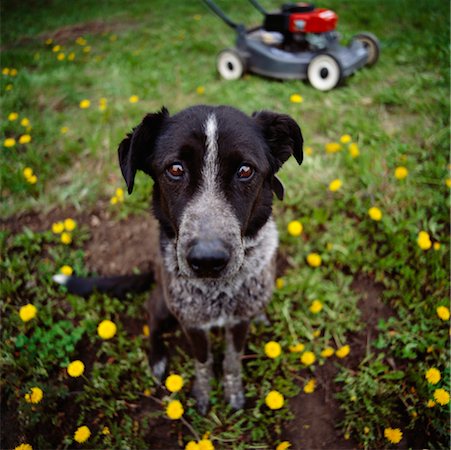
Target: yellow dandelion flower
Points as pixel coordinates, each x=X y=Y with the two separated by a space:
x=133 y=99
x=430 y=403
x=433 y=375
x=25 y=122
x=375 y=213
x=424 y=240
x=106 y=329
x=174 y=410
x=192 y=445
x=9 y=142
x=335 y=185
x=345 y=139
x=296 y=98
x=296 y=348
x=343 y=351
x=25 y=139
x=81 y=41
x=280 y=283
x=316 y=307
x=5 y=71
x=401 y=172
x=58 y=227
x=66 y=238
x=146 y=330
x=354 y=150
x=114 y=200
x=71 y=56
x=333 y=147
x=283 y=445
x=327 y=352
x=295 y=228
x=48 y=41
x=393 y=435
x=308 y=358
x=174 y=383
x=23 y=447
x=317 y=333
x=64 y=130
x=85 y=104
x=272 y=349
x=35 y=396
x=27 y=312
x=66 y=270
x=436 y=246
x=310 y=386
x=13 y=72
x=205 y=444
x=443 y=312
x=448 y=182
x=76 y=368
x=56 y=48
x=33 y=179
x=70 y=224
x=120 y=194
x=82 y=434
x=200 y=90
x=274 y=400
x=313 y=259
x=61 y=56
x=147 y=392
x=308 y=151
x=13 y=116
x=106 y=431
x=103 y=104
x=441 y=396
x=27 y=172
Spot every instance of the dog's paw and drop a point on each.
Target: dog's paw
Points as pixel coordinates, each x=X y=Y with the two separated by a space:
x=159 y=369
x=236 y=400
x=233 y=391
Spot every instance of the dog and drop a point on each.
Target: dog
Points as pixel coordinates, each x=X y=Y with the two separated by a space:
x=214 y=171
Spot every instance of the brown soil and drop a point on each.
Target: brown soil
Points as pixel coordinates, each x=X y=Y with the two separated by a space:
x=117 y=247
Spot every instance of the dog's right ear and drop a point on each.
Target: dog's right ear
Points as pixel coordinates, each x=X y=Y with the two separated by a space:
x=135 y=150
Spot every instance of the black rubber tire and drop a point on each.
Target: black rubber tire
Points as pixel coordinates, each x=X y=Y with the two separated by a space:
x=372 y=46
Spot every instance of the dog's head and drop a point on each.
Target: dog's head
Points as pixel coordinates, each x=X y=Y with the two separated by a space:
x=214 y=170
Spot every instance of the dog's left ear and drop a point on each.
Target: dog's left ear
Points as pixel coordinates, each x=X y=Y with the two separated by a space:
x=284 y=138
x=135 y=150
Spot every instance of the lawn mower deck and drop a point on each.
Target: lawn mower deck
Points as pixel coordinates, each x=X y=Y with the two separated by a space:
x=298 y=42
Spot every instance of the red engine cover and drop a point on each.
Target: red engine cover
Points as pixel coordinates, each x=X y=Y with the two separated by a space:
x=318 y=21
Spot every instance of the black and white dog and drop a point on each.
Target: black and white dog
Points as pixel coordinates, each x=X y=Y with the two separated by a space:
x=214 y=178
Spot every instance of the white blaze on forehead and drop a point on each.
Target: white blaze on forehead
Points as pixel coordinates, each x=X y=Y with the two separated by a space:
x=210 y=169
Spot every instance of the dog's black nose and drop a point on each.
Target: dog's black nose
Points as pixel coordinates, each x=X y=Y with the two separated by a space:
x=208 y=257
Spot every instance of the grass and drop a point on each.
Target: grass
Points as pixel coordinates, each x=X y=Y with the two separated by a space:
x=398 y=115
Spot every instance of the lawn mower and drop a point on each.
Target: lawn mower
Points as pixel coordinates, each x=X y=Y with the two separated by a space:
x=297 y=42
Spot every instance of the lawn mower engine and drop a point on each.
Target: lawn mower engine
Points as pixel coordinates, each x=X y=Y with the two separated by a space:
x=303 y=27
x=297 y=42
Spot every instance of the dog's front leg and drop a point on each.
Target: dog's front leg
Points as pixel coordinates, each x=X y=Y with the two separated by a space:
x=233 y=385
x=200 y=345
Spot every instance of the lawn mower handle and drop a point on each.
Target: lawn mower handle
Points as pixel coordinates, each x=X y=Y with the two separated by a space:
x=259 y=7
x=215 y=8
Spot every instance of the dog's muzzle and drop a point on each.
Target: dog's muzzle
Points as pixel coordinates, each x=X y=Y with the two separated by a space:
x=208 y=257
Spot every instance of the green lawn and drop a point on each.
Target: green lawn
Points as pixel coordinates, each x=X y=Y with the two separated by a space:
x=57 y=54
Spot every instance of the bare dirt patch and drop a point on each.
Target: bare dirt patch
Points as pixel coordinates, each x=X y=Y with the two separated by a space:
x=318 y=415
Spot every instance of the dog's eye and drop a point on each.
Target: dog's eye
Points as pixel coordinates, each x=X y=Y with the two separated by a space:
x=245 y=172
x=175 y=171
